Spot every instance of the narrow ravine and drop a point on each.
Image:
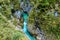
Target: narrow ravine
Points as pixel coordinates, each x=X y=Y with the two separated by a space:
x=25 y=30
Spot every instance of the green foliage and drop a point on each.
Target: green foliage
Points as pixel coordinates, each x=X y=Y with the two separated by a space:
x=7 y=29
x=8 y=32
x=48 y=22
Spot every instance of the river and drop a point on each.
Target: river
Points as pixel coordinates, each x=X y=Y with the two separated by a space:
x=25 y=29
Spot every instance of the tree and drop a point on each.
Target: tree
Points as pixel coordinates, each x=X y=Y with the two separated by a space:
x=7 y=29
x=45 y=12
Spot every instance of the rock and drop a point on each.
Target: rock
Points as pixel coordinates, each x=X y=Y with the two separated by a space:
x=38 y=38
x=18 y=27
x=32 y=29
x=36 y=32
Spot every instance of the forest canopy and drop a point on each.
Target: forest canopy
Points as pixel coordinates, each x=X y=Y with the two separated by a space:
x=44 y=10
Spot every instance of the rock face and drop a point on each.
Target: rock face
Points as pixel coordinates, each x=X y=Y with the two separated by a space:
x=32 y=29
x=36 y=32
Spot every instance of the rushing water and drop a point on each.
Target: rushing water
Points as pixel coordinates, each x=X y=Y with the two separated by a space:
x=25 y=17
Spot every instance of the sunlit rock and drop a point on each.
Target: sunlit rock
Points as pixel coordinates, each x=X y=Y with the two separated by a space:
x=56 y=13
x=18 y=27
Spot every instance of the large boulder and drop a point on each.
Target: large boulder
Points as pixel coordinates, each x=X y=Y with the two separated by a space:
x=36 y=32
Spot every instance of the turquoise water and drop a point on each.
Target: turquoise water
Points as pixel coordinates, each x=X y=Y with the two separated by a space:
x=25 y=29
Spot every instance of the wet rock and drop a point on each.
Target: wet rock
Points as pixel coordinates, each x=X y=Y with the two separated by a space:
x=32 y=30
x=36 y=32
